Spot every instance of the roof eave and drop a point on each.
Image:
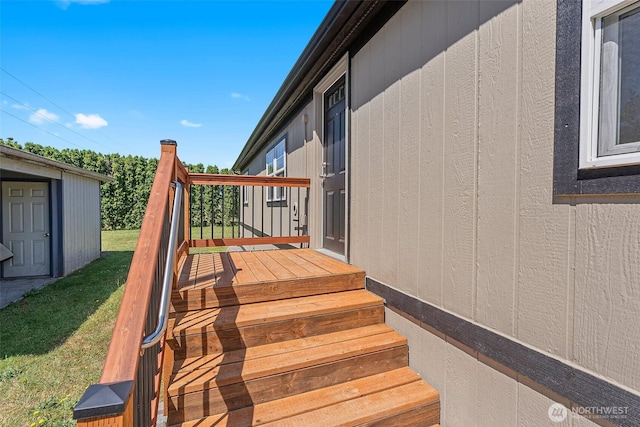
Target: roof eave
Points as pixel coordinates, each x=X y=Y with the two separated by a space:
x=343 y=24
x=40 y=160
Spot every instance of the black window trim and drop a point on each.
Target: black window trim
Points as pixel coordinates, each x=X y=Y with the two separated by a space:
x=568 y=180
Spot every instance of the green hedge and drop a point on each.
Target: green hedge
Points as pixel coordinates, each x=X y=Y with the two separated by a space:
x=124 y=200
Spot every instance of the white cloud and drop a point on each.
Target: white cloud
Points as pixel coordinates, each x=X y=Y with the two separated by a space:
x=92 y=121
x=43 y=116
x=188 y=124
x=236 y=95
x=18 y=106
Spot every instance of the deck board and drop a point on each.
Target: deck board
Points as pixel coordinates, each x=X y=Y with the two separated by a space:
x=219 y=373
x=197 y=322
x=310 y=401
x=295 y=268
x=368 y=409
x=279 y=270
x=253 y=262
x=244 y=273
x=325 y=262
x=286 y=337
x=222 y=269
x=206 y=273
x=312 y=268
x=212 y=360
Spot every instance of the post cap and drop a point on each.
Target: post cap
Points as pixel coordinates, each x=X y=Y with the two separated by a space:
x=168 y=142
x=102 y=400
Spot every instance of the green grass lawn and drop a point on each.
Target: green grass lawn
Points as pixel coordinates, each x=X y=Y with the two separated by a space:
x=53 y=342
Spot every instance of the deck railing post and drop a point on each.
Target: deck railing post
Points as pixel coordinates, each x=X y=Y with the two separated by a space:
x=187 y=209
x=106 y=405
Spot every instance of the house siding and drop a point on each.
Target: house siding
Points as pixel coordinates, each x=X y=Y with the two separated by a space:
x=452 y=143
x=450 y=186
x=302 y=150
x=81 y=221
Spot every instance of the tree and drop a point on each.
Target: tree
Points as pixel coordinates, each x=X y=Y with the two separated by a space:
x=124 y=200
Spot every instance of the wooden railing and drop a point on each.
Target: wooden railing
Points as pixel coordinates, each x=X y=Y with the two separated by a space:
x=129 y=389
x=247 y=210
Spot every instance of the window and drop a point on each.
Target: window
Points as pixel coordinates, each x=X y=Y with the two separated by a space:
x=276 y=166
x=245 y=192
x=610 y=93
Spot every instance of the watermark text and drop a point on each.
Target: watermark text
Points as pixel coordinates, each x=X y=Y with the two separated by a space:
x=558 y=412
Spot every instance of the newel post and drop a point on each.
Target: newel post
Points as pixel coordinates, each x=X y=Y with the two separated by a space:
x=171 y=146
x=106 y=405
x=168 y=146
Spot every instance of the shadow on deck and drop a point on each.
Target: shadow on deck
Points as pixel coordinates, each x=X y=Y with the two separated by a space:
x=286 y=337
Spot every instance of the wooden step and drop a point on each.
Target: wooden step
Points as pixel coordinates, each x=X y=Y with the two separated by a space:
x=213 y=331
x=224 y=279
x=232 y=368
x=212 y=360
x=217 y=386
x=286 y=338
x=283 y=409
x=414 y=404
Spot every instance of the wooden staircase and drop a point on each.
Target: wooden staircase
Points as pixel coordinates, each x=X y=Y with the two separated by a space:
x=287 y=338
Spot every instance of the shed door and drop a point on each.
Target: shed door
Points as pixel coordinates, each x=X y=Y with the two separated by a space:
x=333 y=167
x=25 y=228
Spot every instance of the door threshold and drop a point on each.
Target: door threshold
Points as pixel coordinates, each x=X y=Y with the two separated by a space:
x=334 y=255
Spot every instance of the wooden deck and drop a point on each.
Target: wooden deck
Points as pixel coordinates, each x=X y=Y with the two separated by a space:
x=286 y=337
x=229 y=278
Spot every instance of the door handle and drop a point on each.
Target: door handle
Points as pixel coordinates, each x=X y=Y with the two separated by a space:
x=324 y=170
x=46 y=234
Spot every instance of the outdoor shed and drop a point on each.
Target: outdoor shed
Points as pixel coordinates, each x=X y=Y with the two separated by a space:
x=50 y=215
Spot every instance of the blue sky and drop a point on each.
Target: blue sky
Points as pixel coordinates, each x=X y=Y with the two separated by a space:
x=119 y=76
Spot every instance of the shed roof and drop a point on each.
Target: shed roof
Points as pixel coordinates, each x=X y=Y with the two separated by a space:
x=25 y=156
x=347 y=26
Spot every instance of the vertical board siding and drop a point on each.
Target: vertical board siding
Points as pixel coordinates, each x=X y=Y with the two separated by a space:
x=429 y=362
x=498 y=407
x=453 y=106
x=409 y=172
x=533 y=410
x=430 y=197
x=606 y=293
x=298 y=152
x=378 y=249
x=544 y=230
x=460 y=164
x=80 y=221
x=361 y=168
x=391 y=163
x=472 y=392
x=461 y=388
x=498 y=80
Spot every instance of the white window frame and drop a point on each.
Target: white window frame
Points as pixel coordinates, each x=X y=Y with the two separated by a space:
x=593 y=11
x=276 y=194
x=245 y=191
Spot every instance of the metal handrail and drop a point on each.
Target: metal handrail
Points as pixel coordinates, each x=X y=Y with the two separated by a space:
x=163 y=313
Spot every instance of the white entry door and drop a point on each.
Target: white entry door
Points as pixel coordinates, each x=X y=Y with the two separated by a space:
x=25 y=228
